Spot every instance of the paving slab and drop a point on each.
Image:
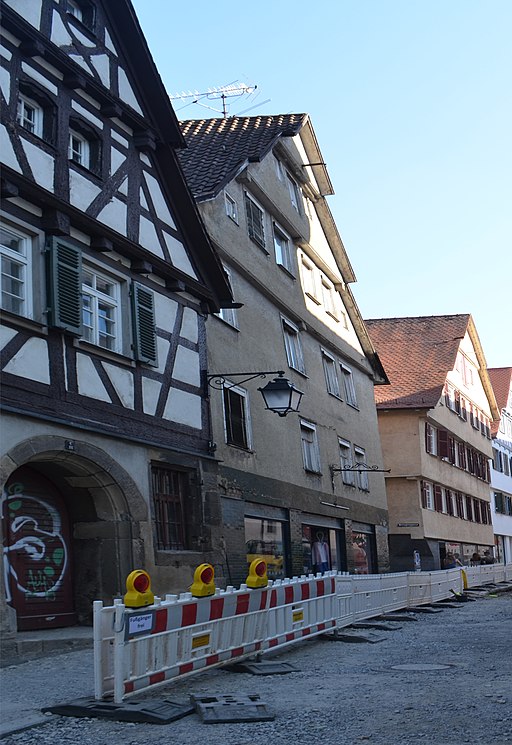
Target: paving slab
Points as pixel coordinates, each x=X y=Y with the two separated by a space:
x=397 y=617
x=379 y=625
x=354 y=638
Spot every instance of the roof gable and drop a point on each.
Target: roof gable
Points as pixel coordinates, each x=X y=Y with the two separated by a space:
x=417 y=354
x=104 y=78
x=219 y=148
x=501 y=381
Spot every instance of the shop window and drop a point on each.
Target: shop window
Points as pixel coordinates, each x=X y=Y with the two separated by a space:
x=320 y=548
x=364 y=549
x=265 y=539
x=170 y=489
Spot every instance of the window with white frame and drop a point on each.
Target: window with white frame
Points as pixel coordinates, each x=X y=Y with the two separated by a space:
x=236 y=416
x=430 y=439
x=79 y=149
x=328 y=299
x=282 y=247
x=74 y=9
x=293 y=346
x=101 y=310
x=228 y=314
x=331 y=374
x=231 y=207
x=345 y=452
x=294 y=190
x=30 y=115
x=427 y=495
x=309 y=279
x=310 y=451
x=362 y=476
x=81 y=10
x=348 y=385
x=15 y=288
x=255 y=221
x=280 y=170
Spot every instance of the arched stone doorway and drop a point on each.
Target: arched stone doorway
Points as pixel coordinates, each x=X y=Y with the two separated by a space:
x=49 y=488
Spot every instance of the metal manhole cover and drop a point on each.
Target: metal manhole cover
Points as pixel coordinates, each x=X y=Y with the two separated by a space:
x=420 y=666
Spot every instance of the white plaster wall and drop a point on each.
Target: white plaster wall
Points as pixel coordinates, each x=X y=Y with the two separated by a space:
x=126 y=91
x=148 y=237
x=189 y=327
x=158 y=199
x=5 y=83
x=8 y=156
x=183 y=408
x=89 y=382
x=6 y=334
x=165 y=312
x=114 y=214
x=87 y=114
x=42 y=165
x=162 y=350
x=150 y=394
x=40 y=78
x=122 y=380
x=102 y=65
x=82 y=191
x=59 y=35
x=186 y=366
x=29 y=10
x=31 y=361
x=179 y=256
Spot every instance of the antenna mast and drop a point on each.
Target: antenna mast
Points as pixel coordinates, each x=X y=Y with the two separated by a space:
x=223 y=92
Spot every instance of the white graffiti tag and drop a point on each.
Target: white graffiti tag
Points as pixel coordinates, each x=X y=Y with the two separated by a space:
x=34 y=530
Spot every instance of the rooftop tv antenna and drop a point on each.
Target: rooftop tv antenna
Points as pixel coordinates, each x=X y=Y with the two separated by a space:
x=221 y=93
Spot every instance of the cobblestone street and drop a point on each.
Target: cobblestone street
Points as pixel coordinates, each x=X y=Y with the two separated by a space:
x=341 y=694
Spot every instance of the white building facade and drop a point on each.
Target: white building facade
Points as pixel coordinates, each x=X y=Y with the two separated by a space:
x=501 y=466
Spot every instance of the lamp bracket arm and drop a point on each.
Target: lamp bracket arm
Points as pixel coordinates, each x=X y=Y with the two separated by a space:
x=218 y=380
x=360 y=468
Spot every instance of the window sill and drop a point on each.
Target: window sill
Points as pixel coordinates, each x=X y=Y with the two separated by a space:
x=226 y=323
x=86 y=346
x=84 y=170
x=312 y=297
x=260 y=245
x=23 y=322
x=353 y=406
x=312 y=472
x=286 y=271
x=241 y=448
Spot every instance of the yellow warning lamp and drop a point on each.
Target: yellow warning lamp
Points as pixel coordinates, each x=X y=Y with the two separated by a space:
x=138 y=584
x=257 y=574
x=203 y=584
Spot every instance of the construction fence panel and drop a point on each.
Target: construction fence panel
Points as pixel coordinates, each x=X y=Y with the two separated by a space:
x=135 y=650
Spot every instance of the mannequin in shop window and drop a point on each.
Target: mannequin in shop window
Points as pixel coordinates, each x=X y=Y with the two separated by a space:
x=320 y=553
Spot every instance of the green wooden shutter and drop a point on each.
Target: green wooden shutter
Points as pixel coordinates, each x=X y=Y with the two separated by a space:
x=64 y=286
x=143 y=306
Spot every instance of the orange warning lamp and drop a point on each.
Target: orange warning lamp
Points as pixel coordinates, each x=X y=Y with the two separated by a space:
x=203 y=584
x=258 y=576
x=138 y=584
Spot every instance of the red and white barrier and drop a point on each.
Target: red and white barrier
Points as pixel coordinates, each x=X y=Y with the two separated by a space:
x=135 y=650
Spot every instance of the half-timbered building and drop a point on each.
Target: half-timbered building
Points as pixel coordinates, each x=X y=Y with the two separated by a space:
x=107 y=277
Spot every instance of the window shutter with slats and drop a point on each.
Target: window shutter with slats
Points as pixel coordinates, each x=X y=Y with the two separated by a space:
x=64 y=278
x=144 y=332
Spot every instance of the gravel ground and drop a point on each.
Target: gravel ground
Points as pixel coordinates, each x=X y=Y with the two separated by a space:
x=342 y=694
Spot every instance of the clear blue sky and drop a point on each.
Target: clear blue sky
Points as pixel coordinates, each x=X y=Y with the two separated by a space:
x=411 y=102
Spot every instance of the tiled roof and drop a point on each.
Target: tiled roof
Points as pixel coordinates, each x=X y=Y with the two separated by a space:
x=218 y=148
x=417 y=354
x=501 y=378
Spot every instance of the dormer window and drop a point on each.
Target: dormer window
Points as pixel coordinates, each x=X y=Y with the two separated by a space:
x=82 y=11
x=84 y=146
x=79 y=151
x=30 y=116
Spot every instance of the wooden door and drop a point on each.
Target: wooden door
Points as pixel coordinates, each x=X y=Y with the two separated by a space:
x=37 y=552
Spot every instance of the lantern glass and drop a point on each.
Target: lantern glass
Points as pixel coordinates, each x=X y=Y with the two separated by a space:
x=281 y=396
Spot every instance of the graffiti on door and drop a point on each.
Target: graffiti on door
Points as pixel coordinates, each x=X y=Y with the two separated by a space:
x=34 y=532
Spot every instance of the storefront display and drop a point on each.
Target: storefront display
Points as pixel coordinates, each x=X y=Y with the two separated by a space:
x=265 y=539
x=363 y=547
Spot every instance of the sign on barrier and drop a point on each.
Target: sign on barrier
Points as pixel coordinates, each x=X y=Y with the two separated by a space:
x=137 y=649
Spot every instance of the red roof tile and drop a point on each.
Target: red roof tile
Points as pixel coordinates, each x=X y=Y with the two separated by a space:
x=417 y=354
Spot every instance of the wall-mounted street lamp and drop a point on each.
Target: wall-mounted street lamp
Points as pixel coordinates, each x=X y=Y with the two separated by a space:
x=279 y=394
